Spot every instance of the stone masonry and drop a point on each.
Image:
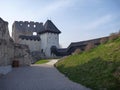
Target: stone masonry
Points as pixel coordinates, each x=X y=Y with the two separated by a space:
x=10 y=51
x=47 y=35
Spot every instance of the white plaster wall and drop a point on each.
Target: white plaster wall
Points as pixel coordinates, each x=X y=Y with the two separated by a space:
x=32 y=44
x=43 y=41
x=47 y=41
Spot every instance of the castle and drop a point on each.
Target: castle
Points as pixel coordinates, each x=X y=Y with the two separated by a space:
x=26 y=47
x=41 y=39
x=46 y=36
x=45 y=44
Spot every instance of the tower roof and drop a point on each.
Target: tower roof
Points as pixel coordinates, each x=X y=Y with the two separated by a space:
x=50 y=27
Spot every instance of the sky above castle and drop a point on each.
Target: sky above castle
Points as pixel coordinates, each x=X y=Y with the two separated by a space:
x=78 y=20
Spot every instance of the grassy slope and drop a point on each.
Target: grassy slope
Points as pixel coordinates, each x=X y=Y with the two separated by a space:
x=41 y=61
x=98 y=69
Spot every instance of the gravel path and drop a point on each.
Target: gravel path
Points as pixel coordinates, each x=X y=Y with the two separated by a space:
x=38 y=77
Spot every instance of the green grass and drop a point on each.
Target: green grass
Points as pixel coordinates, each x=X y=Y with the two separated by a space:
x=98 y=68
x=41 y=61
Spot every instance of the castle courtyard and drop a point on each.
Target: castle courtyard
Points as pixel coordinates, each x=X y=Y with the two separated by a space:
x=38 y=77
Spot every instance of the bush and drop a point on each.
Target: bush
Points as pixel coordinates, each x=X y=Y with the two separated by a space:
x=89 y=46
x=119 y=33
x=77 y=51
x=103 y=40
x=114 y=36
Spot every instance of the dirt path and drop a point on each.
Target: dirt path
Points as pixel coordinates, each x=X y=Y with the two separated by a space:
x=38 y=77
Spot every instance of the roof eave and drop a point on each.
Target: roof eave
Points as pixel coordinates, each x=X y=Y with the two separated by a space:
x=49 y=32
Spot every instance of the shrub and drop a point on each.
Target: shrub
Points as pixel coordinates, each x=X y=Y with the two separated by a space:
x=119 y=33
x=89 y=46
x=116 y=74
x=113 y=36
x=77 y=51
x=103 y=40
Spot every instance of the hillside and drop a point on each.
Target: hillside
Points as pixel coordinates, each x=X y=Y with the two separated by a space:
x=98 y=69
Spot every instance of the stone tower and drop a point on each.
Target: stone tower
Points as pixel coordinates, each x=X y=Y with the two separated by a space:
x=49 y=37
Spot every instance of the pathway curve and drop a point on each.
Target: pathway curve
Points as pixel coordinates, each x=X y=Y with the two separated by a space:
x=38 y=77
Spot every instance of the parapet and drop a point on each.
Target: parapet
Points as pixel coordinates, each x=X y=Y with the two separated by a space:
x=30 y=26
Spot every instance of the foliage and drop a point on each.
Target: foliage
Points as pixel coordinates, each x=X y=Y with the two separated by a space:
x=114 y=36
x=77 y=51
x=89 y=46
x=103 y=40
x=98 y=68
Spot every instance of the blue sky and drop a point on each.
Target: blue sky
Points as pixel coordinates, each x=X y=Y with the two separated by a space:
x=78 y=20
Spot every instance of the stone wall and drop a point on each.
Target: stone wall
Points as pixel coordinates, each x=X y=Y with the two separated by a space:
x=10 y=51
x=6 y=45
x=25 y=28
x=75 y=45
x=22 y=54
x=34 y=45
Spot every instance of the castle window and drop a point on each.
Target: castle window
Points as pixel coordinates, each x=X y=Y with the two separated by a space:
x=34 y=33
x=21 y=24
x=42 y=51
x=28 y=25
x=34 y=26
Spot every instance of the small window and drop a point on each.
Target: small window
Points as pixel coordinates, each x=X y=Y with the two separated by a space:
x=34 y=33
x=34 y=26
x=42 y=51
x=28 y=25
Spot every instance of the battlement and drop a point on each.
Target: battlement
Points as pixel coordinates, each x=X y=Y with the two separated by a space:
x=26 y=25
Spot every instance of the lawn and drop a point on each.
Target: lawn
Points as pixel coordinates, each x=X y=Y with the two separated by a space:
x=41 y=61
